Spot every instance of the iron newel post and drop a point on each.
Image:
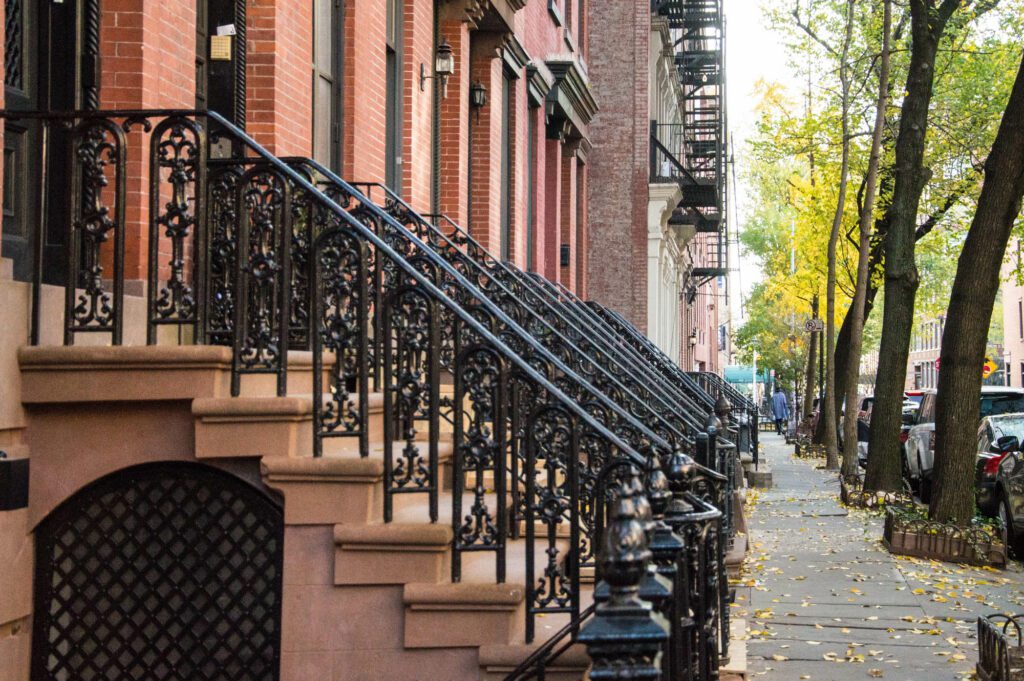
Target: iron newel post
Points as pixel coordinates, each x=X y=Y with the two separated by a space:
x=626 y=637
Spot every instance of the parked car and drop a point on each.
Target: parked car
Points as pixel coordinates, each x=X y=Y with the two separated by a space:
x=1010 y=495
x=997 y=437
x=914 y=396
x=867 y=405
x=919 y=449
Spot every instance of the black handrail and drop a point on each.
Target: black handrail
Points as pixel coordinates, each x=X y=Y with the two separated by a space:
x=572 y=339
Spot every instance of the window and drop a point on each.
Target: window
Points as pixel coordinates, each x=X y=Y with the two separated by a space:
x=326 y=83
x=1020 y=318
x=393 y=98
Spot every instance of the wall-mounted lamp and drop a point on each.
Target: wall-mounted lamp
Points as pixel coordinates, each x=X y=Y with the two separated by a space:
x=477 y=95
x=693 y=338
x=444 y=68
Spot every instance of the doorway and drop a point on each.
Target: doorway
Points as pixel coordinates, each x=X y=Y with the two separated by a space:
x=42 y=72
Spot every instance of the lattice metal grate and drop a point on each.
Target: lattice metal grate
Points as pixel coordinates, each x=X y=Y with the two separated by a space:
x=163 y=572
x=13 y=55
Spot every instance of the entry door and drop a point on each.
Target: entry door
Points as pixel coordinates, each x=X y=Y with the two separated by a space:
x=41 y=39
x=163 y=572
x=220 y=58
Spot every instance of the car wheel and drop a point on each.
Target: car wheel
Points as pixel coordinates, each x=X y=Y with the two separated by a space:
x=1015 y=541
x=924 y=485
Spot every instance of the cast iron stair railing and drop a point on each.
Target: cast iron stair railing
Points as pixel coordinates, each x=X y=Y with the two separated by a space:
x=246 y=251
x=532 y=296
x=722 y=457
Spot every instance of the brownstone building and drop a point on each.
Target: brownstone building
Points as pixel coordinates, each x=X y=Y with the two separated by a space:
x=657 y=201
x=297 y=379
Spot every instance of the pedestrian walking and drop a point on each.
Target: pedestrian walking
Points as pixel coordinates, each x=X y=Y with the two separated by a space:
x=780 y=409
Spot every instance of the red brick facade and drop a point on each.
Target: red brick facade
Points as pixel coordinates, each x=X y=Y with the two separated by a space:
x=148 y=61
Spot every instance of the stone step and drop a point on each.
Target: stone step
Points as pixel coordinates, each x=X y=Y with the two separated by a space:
x=136 y=373
x=462 y=615
x=735 y=667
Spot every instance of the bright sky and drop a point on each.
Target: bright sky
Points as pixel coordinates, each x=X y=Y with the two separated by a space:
x=752 y=53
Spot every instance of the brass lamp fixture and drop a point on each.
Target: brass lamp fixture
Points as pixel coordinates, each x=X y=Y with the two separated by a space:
x=444 y=68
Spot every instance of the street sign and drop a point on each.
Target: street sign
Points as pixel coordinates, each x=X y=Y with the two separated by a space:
x=812 y=325
x=936 y=363
x=989 y=367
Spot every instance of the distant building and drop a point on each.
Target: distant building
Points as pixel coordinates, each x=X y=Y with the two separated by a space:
x=925 y=347
x=657 y=183
x=1013 y=319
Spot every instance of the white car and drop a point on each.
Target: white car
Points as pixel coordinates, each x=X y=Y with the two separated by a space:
x=919 y=450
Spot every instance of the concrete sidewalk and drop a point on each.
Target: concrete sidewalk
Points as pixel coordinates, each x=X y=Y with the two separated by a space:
x=825 y=601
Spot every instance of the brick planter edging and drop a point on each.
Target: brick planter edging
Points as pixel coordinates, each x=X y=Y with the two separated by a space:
x=1000 y=648
x=940 y=541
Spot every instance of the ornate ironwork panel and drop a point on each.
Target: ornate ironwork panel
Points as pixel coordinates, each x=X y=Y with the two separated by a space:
x=177 y=175
x=97 y=230
x=480 y=424
x=411 y=395
x=551 y=470
x=339 y=281
x=263 y=277
x=223 y=216
x=164 y=572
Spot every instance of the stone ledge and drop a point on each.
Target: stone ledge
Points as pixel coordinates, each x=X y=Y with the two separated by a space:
x=327 y=490
x=391 y=553
x=459 y=615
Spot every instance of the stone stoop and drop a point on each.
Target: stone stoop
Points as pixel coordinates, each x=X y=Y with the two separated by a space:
x=735 y=668
x=736 y=555
x=359 y=594
x=462 y=615
x=498 y=661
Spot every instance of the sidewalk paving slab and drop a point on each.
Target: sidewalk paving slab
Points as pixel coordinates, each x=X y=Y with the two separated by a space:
x=824 y=601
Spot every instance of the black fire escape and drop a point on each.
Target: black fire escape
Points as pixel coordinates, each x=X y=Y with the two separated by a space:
x=693 y=153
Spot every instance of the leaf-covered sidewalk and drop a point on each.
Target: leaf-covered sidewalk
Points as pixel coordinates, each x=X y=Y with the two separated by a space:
x=825 y=601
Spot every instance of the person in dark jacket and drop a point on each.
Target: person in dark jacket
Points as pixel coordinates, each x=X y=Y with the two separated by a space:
x=780 y=409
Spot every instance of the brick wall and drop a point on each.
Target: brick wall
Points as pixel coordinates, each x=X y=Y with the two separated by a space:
x=619 y=37
x=279 y=100
x=567 y=222
x=454 y=124
x=418 y=105
x=147 y=58
x=364 y=93
x=549 y=236
x=485 y=147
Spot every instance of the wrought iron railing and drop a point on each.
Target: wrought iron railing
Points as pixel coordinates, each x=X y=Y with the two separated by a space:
x=562 y=335
x=569 y=328
x=244 y=250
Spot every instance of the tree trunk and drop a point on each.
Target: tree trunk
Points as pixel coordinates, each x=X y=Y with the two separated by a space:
x=857 y=313
x=812 y=364
x=901 y=276
x=830 y=405
x=969 y=315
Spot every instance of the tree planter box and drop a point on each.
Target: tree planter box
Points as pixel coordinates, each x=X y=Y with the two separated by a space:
x=1000 y=651
x=909 y=536
x=852 y=495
